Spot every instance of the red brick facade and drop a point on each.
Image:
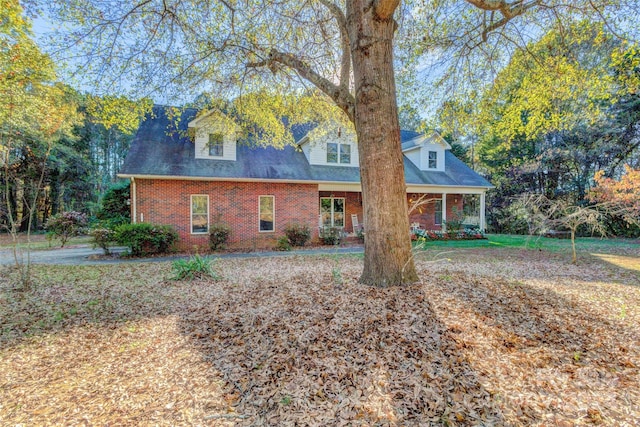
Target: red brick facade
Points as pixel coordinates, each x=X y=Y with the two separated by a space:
x=234 y=203
x=161 y=201
x=425 y=214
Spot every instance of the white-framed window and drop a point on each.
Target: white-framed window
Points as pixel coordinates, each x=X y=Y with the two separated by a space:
x=433 y=160
x=338 y=153
x=216 y=145
x=438 y=213
x=345 y=153
x=199 y=213
x=267 y=214
x=332 y=211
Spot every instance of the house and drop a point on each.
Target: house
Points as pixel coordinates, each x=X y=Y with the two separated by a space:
x=203 y=172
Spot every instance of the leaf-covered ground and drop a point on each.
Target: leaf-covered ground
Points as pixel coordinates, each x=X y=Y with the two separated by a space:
x=490 y=337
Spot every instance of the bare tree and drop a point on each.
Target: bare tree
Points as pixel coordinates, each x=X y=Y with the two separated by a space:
x=543 y=215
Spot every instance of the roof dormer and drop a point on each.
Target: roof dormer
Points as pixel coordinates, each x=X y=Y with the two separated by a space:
x=427 y=151
x=331 y=144
x=215 y=136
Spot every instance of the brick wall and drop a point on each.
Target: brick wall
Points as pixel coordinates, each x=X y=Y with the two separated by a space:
x=234 y=203
x=425 y=214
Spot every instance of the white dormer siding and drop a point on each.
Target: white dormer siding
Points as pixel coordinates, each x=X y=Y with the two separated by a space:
x=331 y=149
x=432 y=157
x=427 y=152
x=210 y=130
x=414 y=156
x=203 y=150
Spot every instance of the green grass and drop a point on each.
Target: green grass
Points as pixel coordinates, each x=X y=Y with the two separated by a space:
x=583 y=244
x=40 y=242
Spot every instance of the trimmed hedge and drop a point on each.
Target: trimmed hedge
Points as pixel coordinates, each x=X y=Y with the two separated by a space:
x=144 y=238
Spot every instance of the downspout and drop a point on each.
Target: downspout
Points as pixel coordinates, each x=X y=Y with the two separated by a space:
x=134 y=203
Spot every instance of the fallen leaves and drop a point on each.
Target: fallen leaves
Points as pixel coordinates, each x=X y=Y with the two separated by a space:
x=487 y=338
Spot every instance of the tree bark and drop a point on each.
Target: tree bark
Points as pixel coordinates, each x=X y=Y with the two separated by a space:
x=388 y=260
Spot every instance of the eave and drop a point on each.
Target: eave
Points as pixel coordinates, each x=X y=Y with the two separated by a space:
x=322 y=185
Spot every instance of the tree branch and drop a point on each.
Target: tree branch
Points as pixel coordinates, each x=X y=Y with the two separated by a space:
x=345 y=63
x=384 y=9
x=339 y=94
x=508 y=10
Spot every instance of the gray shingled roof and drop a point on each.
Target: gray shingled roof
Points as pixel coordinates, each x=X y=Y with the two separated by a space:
x=158 y=150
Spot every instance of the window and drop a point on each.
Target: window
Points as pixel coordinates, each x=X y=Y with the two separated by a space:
x=216 y=144
x=199 y=214
x=433 y=160
x=338 y=153
x=332 y=211
x=332 y=152
x=267 y=213
x=438 y=213
x=345 y=153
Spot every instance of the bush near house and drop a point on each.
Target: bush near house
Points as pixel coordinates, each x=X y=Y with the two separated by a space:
x=218 y=235
x=330 y=235
x=102 y=238
x=466 y=234
x=65 y=225
x=283 y=244
x=144 y=238
x=298 y=234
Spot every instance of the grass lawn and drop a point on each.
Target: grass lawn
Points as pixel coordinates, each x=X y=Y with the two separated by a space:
x=39 y=241
x=497 y=335
x=583 y=244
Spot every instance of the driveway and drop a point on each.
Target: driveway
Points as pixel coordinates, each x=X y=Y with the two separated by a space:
x=85 y=255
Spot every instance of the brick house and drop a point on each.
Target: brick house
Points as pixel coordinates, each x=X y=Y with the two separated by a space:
x=199 y=172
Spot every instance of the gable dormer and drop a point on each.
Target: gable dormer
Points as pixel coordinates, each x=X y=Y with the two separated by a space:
x=331 y=144
x=215 y=136
x=427 y=151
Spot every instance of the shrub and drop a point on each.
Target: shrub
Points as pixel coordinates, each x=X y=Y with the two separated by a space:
x=145 y=238
x=454 y=222
x=102 y=237
x=196 y=267
x=298 y=234
x=218 y=235
x=65 y=225
x=330 y=235
x=471 y=233
x=115 y=209
x=283 y=244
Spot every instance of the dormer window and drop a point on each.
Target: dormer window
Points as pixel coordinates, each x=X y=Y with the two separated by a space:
x=338 y=153
x=216 y=145
x=345 y=153
x=433 y=160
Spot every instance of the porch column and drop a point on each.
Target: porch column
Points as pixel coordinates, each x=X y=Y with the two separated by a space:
x=444 y=212
x=483 y=226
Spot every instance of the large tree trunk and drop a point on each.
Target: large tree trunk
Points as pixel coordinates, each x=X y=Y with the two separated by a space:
x=387 y=255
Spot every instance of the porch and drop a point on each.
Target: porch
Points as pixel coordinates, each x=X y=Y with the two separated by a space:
x=427 y=210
